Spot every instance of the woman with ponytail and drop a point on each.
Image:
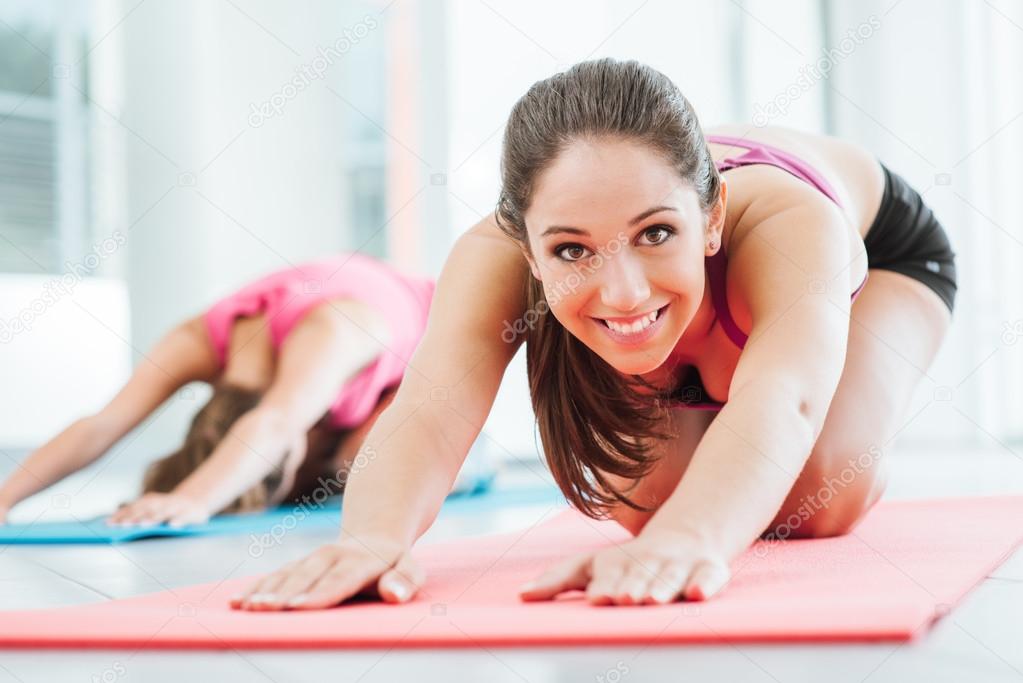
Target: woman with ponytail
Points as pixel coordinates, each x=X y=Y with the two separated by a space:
x=707 y=359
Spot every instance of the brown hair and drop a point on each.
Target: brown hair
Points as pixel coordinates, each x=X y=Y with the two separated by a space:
x=209 y=427
x=591 y=419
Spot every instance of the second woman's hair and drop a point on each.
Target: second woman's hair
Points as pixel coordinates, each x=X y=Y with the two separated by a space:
x=210 y=426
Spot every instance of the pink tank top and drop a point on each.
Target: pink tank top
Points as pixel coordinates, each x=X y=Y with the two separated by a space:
x=286 y=295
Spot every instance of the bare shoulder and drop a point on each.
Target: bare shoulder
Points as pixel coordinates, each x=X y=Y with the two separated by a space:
x=195 y=326
x=484 y=279
x=487 y=229
x=185 y=353
x=480 y=293
x=198 y=335
x=791 y=229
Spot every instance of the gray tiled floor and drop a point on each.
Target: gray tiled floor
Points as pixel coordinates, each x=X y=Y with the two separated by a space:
x=980 y=640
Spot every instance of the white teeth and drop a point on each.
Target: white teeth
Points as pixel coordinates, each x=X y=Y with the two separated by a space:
x=634 y=327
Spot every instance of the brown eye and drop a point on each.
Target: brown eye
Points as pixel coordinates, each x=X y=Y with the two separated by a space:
x=575 y=252
x=662 y=231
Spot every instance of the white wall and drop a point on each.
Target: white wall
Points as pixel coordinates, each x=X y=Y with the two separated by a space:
x=56 y=357
x=211 y=194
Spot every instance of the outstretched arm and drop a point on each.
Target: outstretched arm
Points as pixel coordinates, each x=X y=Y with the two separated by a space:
x=183 y=355
x=783 y=384
x=412 y=455
x=751 y=454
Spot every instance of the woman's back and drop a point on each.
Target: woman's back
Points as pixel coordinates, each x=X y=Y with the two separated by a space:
x=851 y=170
x=248 y=327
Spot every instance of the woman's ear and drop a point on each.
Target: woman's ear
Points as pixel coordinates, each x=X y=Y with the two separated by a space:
x=716 y=220
x=533 y=268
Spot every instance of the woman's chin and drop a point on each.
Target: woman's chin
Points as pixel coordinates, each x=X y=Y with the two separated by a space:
x=639 y=363
x=637 y=360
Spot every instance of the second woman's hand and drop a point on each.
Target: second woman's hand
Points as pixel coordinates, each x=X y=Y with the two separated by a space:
x=335 y=573
x=156 y=508
x=652 y=568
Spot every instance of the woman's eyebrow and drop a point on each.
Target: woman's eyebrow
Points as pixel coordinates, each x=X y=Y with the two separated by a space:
x=555 y=229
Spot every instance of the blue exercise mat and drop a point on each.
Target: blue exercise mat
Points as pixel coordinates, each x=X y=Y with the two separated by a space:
x=478 y=500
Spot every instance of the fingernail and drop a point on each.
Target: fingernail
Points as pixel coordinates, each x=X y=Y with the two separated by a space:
x=526 y=587
x=297 y=600
x=263 y=597
x=400 y=590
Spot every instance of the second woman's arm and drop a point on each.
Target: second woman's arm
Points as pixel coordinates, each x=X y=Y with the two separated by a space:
x=181 y=356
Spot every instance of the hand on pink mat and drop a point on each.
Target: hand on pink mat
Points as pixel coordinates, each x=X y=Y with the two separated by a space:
x=156 y=508
x=374 y=566
x=653 y=568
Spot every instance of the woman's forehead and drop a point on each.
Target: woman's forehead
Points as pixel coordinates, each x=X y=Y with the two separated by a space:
x=615 y=180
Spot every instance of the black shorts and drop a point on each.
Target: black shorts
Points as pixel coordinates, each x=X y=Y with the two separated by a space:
x=907 y=238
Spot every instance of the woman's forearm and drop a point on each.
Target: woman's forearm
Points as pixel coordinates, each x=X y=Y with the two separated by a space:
x=75 y=447
x=255 y=445
x=403 y=472
x=741 y=471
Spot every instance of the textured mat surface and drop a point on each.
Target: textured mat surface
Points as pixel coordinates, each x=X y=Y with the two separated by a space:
x=907 y=564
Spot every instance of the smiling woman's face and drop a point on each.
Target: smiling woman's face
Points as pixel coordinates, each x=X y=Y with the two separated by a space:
x=618 y=240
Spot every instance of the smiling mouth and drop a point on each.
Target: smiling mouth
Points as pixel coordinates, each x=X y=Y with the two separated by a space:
x=637 y=325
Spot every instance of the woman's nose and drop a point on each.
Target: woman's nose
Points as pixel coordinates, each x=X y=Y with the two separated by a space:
x=624 y=285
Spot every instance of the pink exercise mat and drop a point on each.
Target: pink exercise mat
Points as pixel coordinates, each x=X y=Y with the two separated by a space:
x=907 y=564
